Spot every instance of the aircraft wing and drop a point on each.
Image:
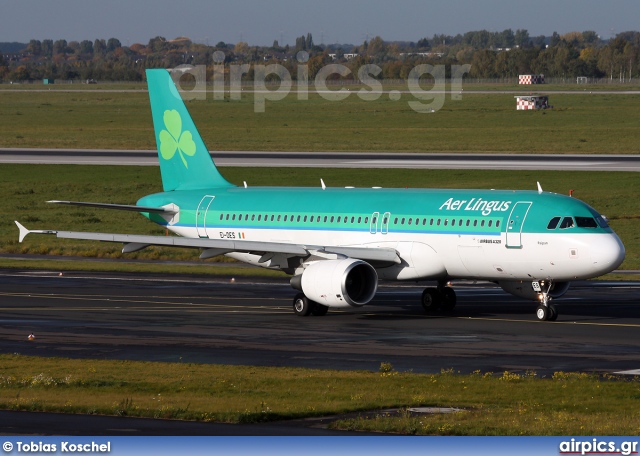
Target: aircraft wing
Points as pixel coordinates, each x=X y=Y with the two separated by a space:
x=215 y=247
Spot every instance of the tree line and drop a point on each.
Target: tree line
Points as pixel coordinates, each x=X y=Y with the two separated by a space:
x=492 y=55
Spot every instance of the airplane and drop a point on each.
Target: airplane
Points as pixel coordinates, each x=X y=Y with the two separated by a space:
x=336 y=243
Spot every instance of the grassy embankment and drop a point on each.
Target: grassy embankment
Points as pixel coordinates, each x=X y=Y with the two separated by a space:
x=501 y=404
x=579 y=123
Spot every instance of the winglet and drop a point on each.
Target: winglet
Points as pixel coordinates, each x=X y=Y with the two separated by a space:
x=23 y=231
x=539 y=187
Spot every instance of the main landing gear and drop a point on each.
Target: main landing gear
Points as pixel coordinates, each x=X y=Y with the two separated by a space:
x=303 y=306
x=440 y=298
x=545 y=311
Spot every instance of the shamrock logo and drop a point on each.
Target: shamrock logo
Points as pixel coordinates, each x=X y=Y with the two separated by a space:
x=174 y=139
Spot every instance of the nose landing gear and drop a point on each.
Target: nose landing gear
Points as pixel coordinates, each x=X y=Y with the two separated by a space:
x=545 y=311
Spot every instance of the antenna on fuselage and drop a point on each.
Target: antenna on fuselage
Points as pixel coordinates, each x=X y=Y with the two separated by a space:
x=245 y=184
x=324 y=187
x=539 y=187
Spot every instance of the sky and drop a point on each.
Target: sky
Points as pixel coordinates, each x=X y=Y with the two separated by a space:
x=260 y=22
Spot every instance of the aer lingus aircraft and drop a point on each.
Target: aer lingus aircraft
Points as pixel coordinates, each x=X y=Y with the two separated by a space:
x=337 y=242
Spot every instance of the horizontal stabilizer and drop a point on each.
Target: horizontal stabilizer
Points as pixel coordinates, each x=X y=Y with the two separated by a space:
x=171 y=209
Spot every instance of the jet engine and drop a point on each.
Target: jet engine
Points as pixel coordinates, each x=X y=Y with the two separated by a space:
x=525 y=290
x=338 y=283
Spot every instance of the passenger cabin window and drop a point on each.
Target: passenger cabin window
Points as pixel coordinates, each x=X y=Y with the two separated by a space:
x=567 y=222
x=553 y=223
x=586 y=222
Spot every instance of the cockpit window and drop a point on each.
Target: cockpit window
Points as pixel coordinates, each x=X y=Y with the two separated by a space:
x=602 y=221
x=553 y=223
x=586 y=222
x=567 y=222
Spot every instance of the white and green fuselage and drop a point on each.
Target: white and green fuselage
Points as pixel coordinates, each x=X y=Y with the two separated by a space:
x=438 y=234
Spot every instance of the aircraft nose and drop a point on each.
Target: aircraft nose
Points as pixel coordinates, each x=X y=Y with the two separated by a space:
x=607 y=253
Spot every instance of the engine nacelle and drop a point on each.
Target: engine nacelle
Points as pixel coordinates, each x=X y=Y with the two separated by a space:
x=338 y=283
x=525 y=290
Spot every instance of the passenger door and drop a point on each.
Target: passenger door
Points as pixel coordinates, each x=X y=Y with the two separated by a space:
x=201 y=215
x=516 y=223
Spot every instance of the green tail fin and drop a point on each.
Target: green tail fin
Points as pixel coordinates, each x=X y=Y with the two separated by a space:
x=185 y=163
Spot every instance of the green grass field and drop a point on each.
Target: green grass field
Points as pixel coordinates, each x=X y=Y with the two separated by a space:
x=579 y=123
x=504 y=403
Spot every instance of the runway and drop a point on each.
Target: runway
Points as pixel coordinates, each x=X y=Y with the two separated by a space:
x=575 y=162
x=250 y=322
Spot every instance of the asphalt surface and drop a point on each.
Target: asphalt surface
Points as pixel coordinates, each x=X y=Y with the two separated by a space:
x=596 y=162
x=250 y=322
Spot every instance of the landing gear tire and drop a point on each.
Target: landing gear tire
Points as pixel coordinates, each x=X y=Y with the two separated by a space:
x=431 y=299
x=302 y=306
x=448 y=297
x=319 y=310
x=542 y=312
x=553 y=313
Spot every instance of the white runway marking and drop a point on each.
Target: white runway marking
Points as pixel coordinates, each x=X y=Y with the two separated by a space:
x=629 y=372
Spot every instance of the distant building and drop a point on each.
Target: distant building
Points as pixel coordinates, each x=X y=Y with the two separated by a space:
x=422 y=54
x=345 y=56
